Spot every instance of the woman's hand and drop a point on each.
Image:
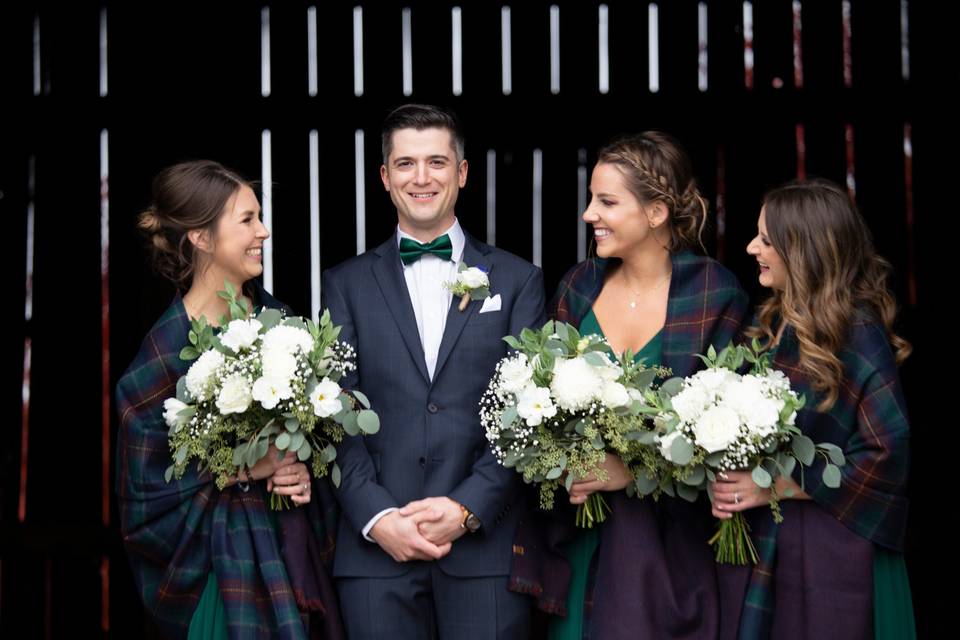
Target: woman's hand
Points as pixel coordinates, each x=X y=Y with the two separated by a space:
x=736 y=491
x=618 y=477
x=291 y=480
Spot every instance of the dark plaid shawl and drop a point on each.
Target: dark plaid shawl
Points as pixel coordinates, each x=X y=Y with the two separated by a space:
x=869 y=422
x=706 y=306
x=273 y=584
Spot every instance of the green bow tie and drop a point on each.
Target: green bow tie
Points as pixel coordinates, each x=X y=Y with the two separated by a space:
x=411 y=250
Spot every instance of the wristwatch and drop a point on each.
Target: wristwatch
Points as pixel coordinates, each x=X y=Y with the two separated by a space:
x=470 y=521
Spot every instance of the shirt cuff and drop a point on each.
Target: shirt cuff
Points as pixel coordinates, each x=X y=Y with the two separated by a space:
x=373 y=521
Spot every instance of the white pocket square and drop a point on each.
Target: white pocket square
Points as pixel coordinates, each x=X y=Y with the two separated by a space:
x=491 y=304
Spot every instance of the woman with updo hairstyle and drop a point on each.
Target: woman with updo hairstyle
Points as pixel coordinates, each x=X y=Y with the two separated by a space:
x=834 y=567
x=647 y=570
x=213 y=563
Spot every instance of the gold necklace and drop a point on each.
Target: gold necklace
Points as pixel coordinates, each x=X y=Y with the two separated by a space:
x=636 y=294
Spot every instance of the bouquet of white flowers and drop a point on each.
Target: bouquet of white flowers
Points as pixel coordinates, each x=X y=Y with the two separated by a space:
x=555 y=407
x=263 y=380
x=717 y=420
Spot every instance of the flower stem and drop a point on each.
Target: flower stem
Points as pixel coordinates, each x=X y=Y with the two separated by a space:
x=732 y=543
x=593 y=511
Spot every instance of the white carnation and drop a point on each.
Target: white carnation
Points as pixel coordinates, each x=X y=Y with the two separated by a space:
x=200 y=377
x=614 y=395
x=278 y=364
x=576 y=383
x=288 y=339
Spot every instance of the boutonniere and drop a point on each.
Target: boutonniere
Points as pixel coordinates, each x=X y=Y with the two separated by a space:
x=472 y=283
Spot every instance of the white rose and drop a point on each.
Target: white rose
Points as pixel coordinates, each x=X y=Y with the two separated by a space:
x=690 y=403
x=278 y=364
x=713 y=380
x=241 y=334
x=200 y=376
x=759 y=412
x=235 y=396
x=269 y=391
x=576 y=383
x=614 y=395
x=473 y=278
x=534 y=405
x=286 y=338
x=717 y=428
x=666 y=442
x=325 y=398
x=515 y=373
x=171 y=407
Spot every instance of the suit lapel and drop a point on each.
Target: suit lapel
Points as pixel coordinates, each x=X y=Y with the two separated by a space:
x=393 y=286
x=474 y=254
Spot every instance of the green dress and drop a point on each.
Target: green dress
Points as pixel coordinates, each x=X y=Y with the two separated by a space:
x=892 y=599
x=580 y=551
x=209 y=620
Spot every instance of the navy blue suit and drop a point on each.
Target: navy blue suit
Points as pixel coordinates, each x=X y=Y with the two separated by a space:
x=430 y=442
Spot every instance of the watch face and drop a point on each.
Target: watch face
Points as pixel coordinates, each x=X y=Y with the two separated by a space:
x=473 y=522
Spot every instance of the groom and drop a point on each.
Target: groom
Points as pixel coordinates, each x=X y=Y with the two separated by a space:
x=424 y=545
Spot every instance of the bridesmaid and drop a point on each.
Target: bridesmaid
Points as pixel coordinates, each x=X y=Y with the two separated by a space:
x=212 y=563
x=834 y=567
x=647 y=571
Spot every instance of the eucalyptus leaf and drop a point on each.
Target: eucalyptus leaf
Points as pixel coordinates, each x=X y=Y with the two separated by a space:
x=681 y=451
x=831 y=476
x=368 y=421
x=761 y=477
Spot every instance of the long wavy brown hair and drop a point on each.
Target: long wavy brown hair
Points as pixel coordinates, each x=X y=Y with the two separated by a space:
x=833 y=273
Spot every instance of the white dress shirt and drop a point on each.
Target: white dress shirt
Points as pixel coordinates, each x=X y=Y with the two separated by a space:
x=431 y=303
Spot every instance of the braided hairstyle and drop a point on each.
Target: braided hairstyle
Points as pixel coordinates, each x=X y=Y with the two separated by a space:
x=657 y=169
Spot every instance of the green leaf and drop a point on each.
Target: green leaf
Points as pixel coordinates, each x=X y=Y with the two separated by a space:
x=696 y=477
x=641 y=437
x=291 y=424
x=834 y=452
x=568 y=482
x=168 y=474
x=283 y=441
x=804 y=448
x=262 y=447
x=509 y=416
x=181 y=454
x=789 y=463
x=714 y=458
x=596 y=359
x=672 y=387
x=687 y=492
x=368 y=421
x=350 y=425
x=645 y=483
x=296 y=440
x=335 y=475
x=513 y=342
x=329 y=454
x=269 y=318
x=597 y=443
x=361 y=398
x=681 y=451
x=831 y=476
x=182 y=394
x=554 y=473
x=480 y=293
x=761 y=477
x=189 y=353
x=238 y=455
x=562 y=330
x=303 y=453
x=511 y=459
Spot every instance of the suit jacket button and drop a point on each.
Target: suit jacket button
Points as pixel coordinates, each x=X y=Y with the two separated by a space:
x=432 y=408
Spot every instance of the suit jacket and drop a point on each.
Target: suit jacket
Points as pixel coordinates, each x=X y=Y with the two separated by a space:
x=430 y=441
